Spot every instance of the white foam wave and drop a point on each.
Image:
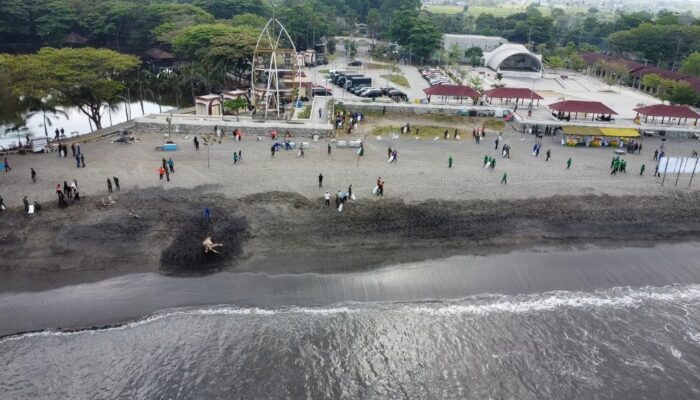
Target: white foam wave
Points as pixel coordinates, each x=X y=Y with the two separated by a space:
x=612 y=298
x=481 y=305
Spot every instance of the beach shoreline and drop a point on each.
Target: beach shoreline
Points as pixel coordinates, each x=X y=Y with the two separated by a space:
x=268 y=211
x=287 y=233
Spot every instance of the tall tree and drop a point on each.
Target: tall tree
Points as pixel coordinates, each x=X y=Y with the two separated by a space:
x=224 y=9
x=683 y=93
x=424 y=38
x=45 y=107
x=691 y=64
x=374 y=22
x=194 y=41
x=556 y=63
x=651 y=81
x=53 y=25
x=85 y=78
x=170 y=19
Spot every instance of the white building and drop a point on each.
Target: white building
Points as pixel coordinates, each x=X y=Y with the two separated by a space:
x=514 y=60
x=465 y=42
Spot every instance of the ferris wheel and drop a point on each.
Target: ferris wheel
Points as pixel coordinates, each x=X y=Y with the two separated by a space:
x=274 y=70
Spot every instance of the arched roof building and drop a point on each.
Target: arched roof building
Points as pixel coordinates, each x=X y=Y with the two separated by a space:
x=514 y=60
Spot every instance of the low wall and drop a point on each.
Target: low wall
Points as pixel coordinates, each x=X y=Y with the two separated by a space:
x=409 y=108
x=205 y=125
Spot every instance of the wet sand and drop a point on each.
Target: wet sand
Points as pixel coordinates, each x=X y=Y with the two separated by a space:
x=116 y=301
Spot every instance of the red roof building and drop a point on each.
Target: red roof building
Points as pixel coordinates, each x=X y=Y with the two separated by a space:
x=581 y=107
x=592 y=58
x=159 y=54
x=636 y=70
x=694 y=82
x=452 y=91
x=518 y=94
x=667 y=111
x=664 y=73
x=74 y=39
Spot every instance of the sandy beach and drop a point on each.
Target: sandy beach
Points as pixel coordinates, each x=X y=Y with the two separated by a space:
x=269 y=212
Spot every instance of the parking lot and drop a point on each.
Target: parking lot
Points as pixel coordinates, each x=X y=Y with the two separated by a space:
x=554 y=87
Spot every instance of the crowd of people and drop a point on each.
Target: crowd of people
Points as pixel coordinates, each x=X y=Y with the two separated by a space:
x=352 y=119
x=69 y=191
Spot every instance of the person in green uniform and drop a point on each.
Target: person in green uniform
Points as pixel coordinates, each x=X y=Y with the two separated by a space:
x=568 y=163
x=486 y=160
x=641 y=170
x=505 y=178
x=493 y=163
x=449 y=162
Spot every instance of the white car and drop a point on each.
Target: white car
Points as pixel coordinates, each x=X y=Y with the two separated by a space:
x=440 y=82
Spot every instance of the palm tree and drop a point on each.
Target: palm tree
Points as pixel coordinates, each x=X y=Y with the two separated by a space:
x=167 y=83
x=111 y=106
x=46 y=108
x=193 y=78
x=142 y=85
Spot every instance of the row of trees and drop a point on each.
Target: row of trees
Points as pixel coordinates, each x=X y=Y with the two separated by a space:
x=665 y=36
x=125 y=25
x=94 y=80
x=136 y=25
x=675 y=91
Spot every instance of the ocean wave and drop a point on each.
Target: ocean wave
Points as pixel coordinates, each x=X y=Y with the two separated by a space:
x=610 y=298
x=621 y=297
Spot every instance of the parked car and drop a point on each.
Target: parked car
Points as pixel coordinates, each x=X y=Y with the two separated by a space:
x=321 y=91
x=398 y=95
x=356 y=89
x=386 y=90
x=372 y=93
x=355 y=63
x=364 y=89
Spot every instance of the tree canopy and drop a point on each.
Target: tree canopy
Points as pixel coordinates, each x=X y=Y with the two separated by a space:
x=691 y=64
x=86 y=77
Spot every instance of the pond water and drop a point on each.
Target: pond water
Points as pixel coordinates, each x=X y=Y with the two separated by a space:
x=77 y=123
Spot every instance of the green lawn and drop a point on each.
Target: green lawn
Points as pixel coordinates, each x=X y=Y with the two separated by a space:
x=431 y=131
x=397 y=80
x=305 y=113
x=387 y=67
x=443 y=9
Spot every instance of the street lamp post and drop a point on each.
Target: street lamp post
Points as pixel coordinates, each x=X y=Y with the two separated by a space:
x=222 y=106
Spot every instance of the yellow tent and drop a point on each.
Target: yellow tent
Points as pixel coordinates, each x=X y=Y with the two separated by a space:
x=581 y=131
x=620 y=132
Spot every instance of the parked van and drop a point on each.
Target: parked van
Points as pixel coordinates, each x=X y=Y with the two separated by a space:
x=40 y=144
x=359 y=81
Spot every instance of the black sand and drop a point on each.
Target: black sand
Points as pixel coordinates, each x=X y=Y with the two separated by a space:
x=287 y=233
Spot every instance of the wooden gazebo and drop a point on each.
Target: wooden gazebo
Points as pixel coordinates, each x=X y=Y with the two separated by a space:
x=667 y=111
x=517 y=94
x=458 y=91
x=581 y=107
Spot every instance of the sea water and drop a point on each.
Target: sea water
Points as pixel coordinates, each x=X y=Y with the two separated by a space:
x=637 y=343
x=590 y=324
